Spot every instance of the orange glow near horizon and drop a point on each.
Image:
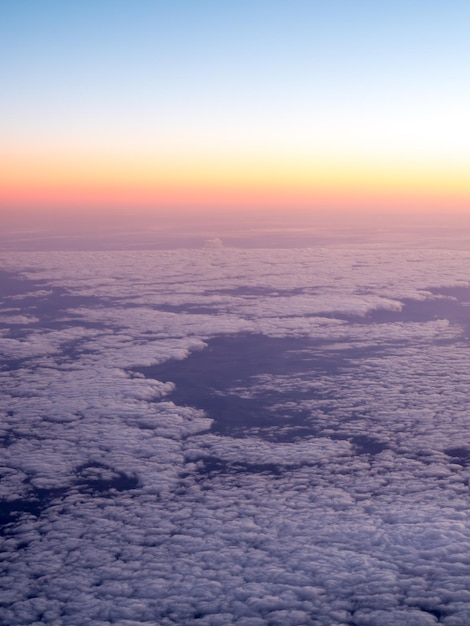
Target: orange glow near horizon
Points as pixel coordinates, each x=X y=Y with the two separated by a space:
x=191 y=184
x=251 y=111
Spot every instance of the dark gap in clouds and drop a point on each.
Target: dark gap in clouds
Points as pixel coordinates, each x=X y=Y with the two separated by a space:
x=462 y=293
x=73 y=349
x=419 y=311
x=49 y=307
x=35 y=505
x=363 y=444
x=46 y=307
x=206 y=378
x=12 y=285
x=12 y=365
x=435 y=612
x=461 y=456
x=248 y=292
x=98 y=478
x=59 y=300
x=214 y=465
x=95 y=479
x=193 y=309
x=455 y=311
x=11 y=436
x=7 y=440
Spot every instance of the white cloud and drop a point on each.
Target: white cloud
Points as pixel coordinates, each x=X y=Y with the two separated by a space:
x=210 y=528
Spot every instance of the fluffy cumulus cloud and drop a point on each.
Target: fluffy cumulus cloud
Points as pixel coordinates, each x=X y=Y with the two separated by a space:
x=224 y=437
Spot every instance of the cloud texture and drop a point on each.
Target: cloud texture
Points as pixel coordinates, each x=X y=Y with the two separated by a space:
x=322 y=478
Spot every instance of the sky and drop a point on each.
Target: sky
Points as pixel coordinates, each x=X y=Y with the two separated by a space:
x=194 y=107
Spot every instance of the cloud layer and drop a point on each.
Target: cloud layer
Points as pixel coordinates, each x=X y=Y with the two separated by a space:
x=344 y=502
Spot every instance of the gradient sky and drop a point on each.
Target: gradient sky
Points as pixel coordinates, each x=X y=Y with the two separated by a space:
x=124 y=105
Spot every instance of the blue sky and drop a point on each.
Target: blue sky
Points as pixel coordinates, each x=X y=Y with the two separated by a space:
x=295 y=80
